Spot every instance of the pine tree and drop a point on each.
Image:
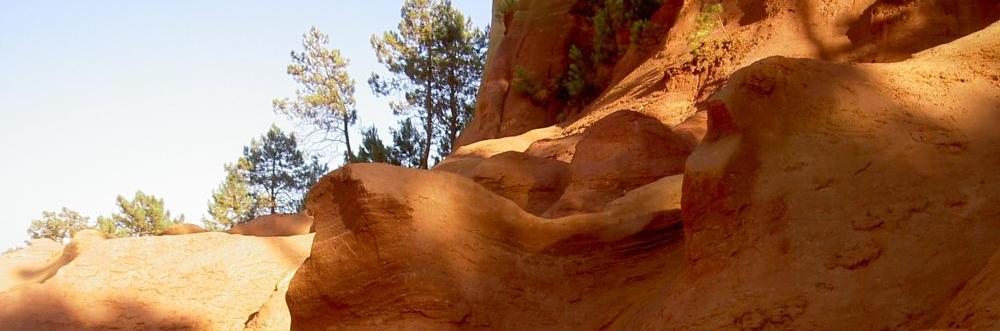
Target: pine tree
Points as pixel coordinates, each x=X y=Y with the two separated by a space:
x=406 y=145
x=435 y=61
x=278 y=175
x=144 y=215
x=231 y=203
x=373 y=150
x=58 y=226
x=462 y=50
x=408 y=54
x=325 y=98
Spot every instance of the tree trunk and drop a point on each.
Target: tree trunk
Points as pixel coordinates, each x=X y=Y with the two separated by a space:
x=347 y=139
x=429 y=107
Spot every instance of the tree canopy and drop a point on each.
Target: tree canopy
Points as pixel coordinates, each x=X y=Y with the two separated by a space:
x=144 y=215
x=277 y=174
x=435 y=59
x=231 y=202
x=58 y=226
x=325 y=97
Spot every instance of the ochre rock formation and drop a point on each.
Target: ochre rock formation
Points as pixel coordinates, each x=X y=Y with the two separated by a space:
x=29 y=264
x=414 y=249
x=619 y=153
x=838 y=196
x=802 y=165
x=181 y=229
x=975 y=307
x=207 y=281
x=532 y=182
x=535 y=38
x=277 y=225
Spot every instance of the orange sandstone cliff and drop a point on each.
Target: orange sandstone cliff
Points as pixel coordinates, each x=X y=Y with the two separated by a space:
x=798 y=165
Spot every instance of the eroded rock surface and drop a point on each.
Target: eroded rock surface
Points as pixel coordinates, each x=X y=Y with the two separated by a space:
x=207 y=281
x=277 y=225
x=838 y=196
x=28 y=265
x=432 y=250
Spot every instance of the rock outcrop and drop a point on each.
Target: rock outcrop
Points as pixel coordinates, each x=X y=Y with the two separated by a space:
x=751 y=165
x=825 y=195
x=840 y=196
x=277 y=225
x=28 y=265
x=976 y=306
x=532 y=182
x=182 y=229
x=432 y=250
x=207 y=281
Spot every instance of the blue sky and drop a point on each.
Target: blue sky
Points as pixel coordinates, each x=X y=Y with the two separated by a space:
x=101 y=98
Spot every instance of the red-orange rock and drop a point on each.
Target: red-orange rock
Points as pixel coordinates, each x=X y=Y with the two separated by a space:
x=277 y=225
x=182 y=229
x=531 y=182
x=842 y=196
x=432 y=250
x=977 y=306
x=536 y=41
x=206 y=281
x=619 y=153
x=29 y=264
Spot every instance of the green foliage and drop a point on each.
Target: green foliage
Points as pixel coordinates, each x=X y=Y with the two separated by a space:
x=635 y=33
x=325 y=98
x=231 y=202
x=708 y=21
x=406 y=149
x=434 y=58
x=461 y=51
x=108 y=226
x=540 y=91
x=58 y=226
x=575 y=84
x=524 y=83
x=277 y=174
x=144 y=215
x=373 y=150
x=611 y=21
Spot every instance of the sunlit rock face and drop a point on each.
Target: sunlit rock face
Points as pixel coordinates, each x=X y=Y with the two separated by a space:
x=818 y=192
x=206 y=281
x=435 y=250
x=800 y=165
x=29 y=264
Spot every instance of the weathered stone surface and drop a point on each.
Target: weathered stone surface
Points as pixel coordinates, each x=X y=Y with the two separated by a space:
x=206 y=281
x=533 y=183
x=182 y=229
x=619 y=153
x=977 y=306
x=277 y=225
x=536 y=40
x=432 y=250
x=842 y=196
x=29 y=264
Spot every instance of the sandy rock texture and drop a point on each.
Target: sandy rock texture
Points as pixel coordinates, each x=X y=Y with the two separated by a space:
x=277 y=225
x=837 y=177
x=28 y=265
x=206 y=281
x=836 y=196
x=415 y=249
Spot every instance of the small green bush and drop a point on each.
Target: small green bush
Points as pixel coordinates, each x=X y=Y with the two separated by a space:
x=635 y=32
x=575 y=83
x=706 y=22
